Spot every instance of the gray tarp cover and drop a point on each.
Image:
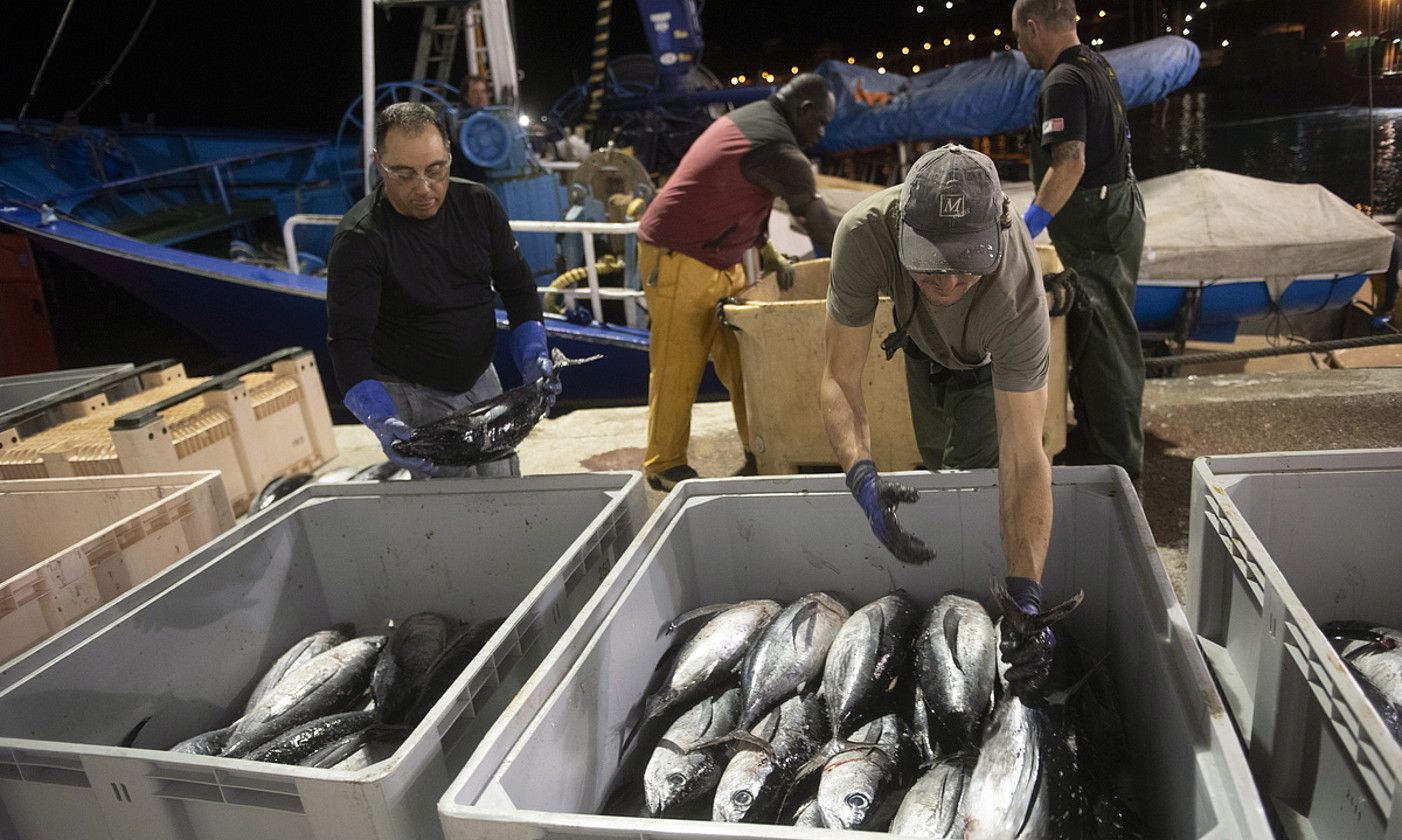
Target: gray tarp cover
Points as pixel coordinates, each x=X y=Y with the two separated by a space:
x=1204 y=224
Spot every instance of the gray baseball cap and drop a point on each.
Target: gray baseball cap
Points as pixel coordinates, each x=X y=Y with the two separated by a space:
x=951 y=208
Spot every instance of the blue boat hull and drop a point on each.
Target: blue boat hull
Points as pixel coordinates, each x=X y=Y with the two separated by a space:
x=1225 y=305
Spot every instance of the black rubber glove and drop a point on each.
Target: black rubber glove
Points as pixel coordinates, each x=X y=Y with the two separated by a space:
x=879 y=499
x=1027 y=647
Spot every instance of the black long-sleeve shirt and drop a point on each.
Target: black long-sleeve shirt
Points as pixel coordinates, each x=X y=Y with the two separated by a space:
x=415 y=298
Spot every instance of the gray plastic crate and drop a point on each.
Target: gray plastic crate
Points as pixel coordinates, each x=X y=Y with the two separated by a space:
x=30 y=403
x=531 y=549
x=544 y=769
x=1278 y=543
x=20 y=393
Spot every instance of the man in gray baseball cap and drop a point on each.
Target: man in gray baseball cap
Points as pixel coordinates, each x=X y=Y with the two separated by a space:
x=971 y=315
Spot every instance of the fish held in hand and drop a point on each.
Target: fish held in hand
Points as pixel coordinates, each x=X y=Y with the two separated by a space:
x=490 y=430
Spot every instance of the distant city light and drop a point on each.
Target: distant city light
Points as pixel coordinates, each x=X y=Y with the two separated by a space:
x=915 y=69
x=880 y=55
x=1102 y=13
x=905 y=50
x=742 y=78
x=1226 y=43
x=1187 y=18
x=1078 y=18
x=949 y=4
x=1187 y=32
x=851 y=60
x=1202 y=5
x=524 y=121
x=794 y=70
x=946 y=42
x=1334 y=34
x=997 y=32
x=927 y=45
x=734 y=81
x=920 y=10
x=881 y=70
x=1168 y=29
x=971 y=36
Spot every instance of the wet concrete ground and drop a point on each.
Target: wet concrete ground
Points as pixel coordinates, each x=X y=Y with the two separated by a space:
x=1184 y=418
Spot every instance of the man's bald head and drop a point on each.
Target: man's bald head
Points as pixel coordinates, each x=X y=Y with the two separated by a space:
x=1044 y=28
x=808 y=104
x=1053 y=15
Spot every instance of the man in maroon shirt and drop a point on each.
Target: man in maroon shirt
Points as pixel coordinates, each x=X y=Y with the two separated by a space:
x=714 y=208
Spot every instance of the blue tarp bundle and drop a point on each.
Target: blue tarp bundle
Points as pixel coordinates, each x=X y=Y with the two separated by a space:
x=982 y=97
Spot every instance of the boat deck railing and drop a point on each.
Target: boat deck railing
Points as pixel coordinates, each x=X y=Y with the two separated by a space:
x=587 y=230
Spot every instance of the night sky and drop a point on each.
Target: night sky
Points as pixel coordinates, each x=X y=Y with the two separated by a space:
x=285 y=65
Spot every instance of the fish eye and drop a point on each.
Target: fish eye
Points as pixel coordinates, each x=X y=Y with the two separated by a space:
x=743 y=798
x=858 y=801
x=676 y=779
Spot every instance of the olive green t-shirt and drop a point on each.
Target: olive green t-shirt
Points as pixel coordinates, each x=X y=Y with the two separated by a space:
x=1002 y=319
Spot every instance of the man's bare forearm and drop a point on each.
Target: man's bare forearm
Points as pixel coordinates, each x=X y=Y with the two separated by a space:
x=840 y=393
x=1061 y=180
x=1024 y=481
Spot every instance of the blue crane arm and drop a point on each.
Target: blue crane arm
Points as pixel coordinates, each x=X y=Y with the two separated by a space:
x=673 y=30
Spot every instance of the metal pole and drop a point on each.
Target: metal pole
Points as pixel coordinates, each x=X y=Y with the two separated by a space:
x=1372 y=139
x=592 y=272
x=63 y=21
x=367 y=85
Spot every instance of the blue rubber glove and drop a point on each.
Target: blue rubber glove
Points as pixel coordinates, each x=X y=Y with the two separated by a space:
x=532 y=358
x=1029 y=656
x=371 y=404
x=1037 y=219
x=879 y=499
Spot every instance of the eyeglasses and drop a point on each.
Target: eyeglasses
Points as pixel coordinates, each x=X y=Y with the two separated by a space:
x=432 y=174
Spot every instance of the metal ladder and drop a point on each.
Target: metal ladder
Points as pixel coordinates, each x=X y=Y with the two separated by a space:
x=489 y=46
x=438 y=38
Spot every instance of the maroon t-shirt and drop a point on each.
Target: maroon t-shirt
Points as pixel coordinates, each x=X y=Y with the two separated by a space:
x=710 y=210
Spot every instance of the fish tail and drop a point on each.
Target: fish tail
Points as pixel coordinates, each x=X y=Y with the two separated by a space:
x=717 y=741
x=1025 y=624
x=749 y=739
x=691 y=615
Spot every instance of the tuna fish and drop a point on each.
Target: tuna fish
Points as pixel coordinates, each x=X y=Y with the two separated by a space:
x=413 y=647
x=934 y=806
x=754 y=784
x=1026 y=783
x=206 y=743
x=332 y=754
x=858 y=788
x=808 y=815
x=956 y=653
x=326 y=684
x=866 y=658
x=788 y=654
x=296 y=744
x=1374 y=658
x=713 y=653
x=680 y=769
x=295 y=656
x=489 y=430
x=464 y=643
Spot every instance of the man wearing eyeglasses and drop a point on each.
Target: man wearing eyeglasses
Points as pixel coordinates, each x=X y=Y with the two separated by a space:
x=410 y=295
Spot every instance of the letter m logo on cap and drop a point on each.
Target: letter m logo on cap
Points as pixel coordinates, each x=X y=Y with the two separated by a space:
x=953 y=206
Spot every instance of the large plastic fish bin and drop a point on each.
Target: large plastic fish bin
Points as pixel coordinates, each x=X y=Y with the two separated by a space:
x=1279 y=543
x=529 y=550
x=782 y=358
x=546 y=774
